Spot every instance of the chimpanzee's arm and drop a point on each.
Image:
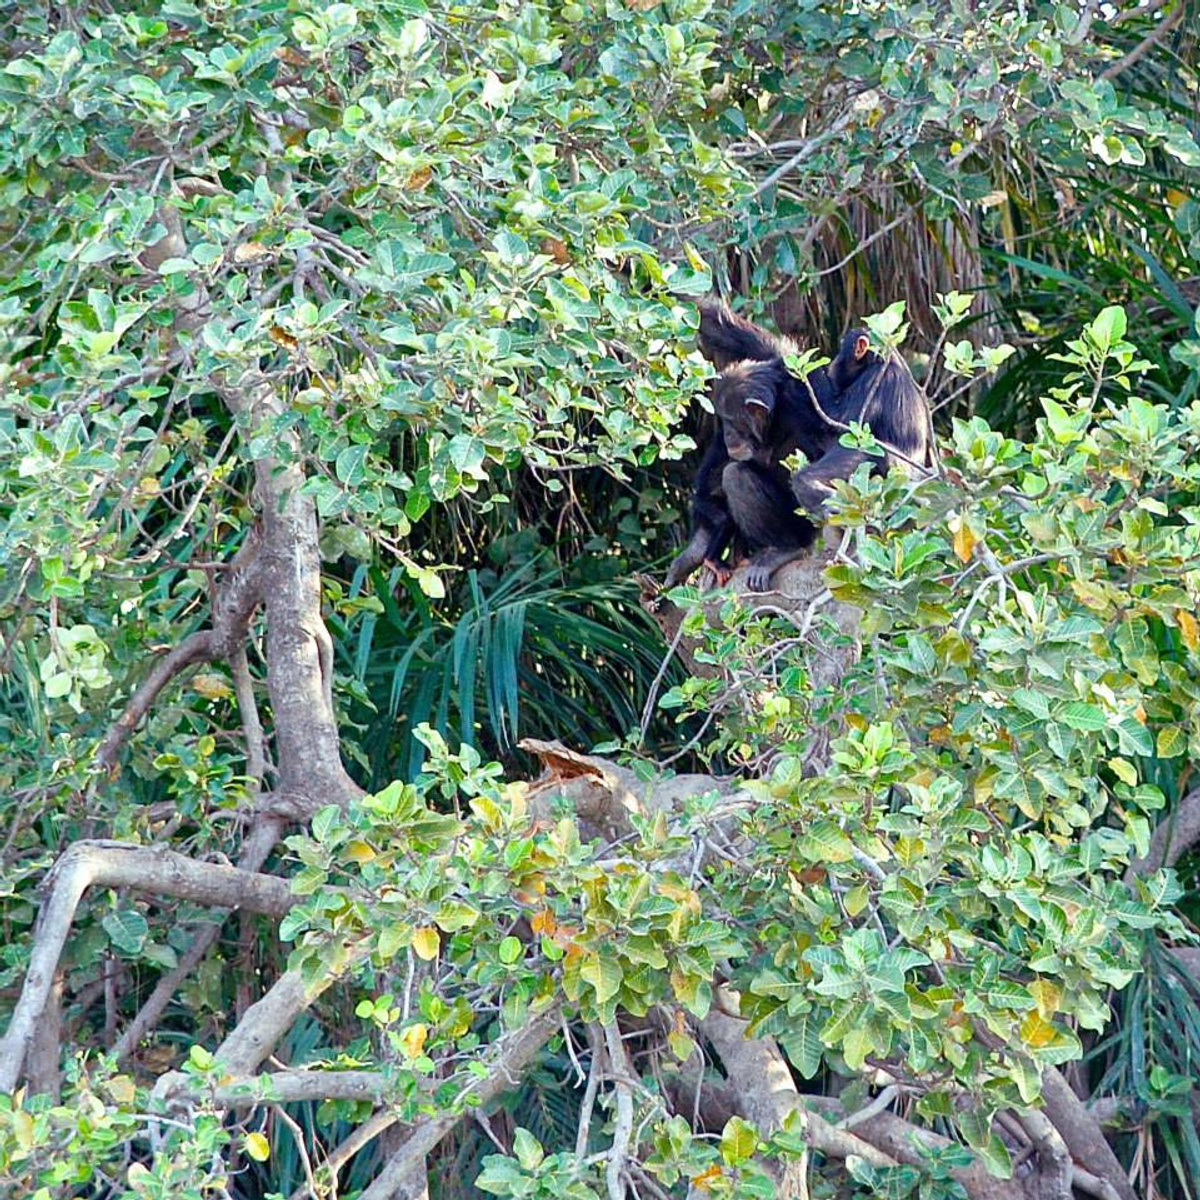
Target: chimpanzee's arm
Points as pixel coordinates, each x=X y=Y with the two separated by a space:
x=813 y=485
x=727 y=338
x=712 y=526
x=897 y=413
x=764 y=513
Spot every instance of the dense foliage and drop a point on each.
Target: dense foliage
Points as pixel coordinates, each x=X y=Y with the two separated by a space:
x=346 y=355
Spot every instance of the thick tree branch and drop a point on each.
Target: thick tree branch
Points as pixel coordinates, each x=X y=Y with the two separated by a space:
x=142 y=869
x=288 y=1087
x=265 y=833
x=299 y=649
x=1054 y=1174
x=265 y=1022
x=236 y=599
x=761 y=1080
x=1172 y=838
x=1081 y=1131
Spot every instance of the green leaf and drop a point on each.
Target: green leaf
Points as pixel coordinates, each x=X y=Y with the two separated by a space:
x=604 y=973
x=1109 y=327
x=826 y=842
x=739 y=1141
x=326 y=821
x=802 y=1044
x=351 y=465
x=1172 y=742
x=1086 y=718
x=511 y=247
x=528 y=1150
x=127 y=929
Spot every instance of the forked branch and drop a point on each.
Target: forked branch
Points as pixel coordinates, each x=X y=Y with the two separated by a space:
x=142 y=869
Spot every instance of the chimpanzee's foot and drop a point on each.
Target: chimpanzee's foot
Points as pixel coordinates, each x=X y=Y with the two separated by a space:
x=721 y=573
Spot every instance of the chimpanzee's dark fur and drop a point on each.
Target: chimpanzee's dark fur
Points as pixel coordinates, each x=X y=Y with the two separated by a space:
x=742 y=496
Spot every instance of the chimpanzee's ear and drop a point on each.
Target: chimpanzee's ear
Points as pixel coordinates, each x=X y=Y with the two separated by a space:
x=727 y=338
x=862 y=345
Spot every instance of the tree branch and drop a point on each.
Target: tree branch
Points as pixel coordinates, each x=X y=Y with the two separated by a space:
x=1145 y=45
x=515 y=1052
x=299 y=649
x=1173 y=837
x=1081 y=1131
x=618 y=1155
x=255 y=849
x=289 y=1087
x=142 y=869
x=236 y=599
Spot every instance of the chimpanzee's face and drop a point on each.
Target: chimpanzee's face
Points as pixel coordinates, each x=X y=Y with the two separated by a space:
x=744 y=399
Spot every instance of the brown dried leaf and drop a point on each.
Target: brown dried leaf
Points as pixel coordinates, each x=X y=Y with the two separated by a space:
x=250 y=252
x=556 y=249
x=419 y=180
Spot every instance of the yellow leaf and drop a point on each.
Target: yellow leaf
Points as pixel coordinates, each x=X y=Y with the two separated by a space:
x=418 y=181
x=706 y=1178
x=358 y=851
x=965 y=540
x=138 y=1176
x=695 y=259
x=23 y=1129
x=412 y=1040
x=1037 y=1032
x=426 y=943
x=681 y=1045
x=488 y=811
x=211 y=686
x=543 y=922
x=1124 y=770
x=121 y=1088
x=1048 y=996
x=281 y=337
x=258 y=1147
x=1189 y=627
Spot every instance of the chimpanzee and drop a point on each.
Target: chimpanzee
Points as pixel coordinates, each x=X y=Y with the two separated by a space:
x=876 y=392
x=741 y=495
x=764 y=414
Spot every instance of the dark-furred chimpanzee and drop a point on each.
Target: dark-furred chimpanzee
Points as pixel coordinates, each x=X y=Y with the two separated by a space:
x=880 y=393
x=764 y=413
x=741 y=497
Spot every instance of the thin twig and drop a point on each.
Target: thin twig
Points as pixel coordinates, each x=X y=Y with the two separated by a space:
x=1144 y=46
x=589 y=1095
x=614 y=1174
